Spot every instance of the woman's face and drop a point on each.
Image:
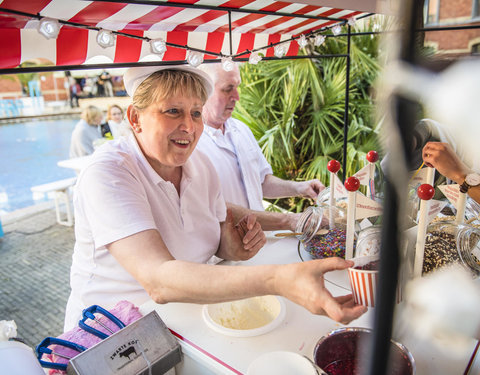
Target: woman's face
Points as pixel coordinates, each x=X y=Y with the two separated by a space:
x=116 y=114
x=169 y=130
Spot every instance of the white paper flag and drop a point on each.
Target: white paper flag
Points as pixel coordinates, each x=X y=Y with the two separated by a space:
x=435 y=207
x=340 y=191
x=367 y=207
x=363 y=175
x=452 y=192
x=420 y=178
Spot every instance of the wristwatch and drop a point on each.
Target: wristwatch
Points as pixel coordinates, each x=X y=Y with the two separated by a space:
x=472 y=179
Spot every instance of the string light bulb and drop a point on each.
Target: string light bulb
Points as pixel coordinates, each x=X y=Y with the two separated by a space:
x=352 y=21
x=49 y=28
x=194 y=58
x=254 y=58
x=158 y=46
x=302 y=41
x=280 y=50
x=105 y=38
x=319 y=40
x=227 y=64
x=336 y=29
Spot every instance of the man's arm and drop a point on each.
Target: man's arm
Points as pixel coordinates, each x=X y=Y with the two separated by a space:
x=268 y=220
x=274 y=187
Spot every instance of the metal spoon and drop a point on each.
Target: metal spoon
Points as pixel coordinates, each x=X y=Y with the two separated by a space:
x=321 y=232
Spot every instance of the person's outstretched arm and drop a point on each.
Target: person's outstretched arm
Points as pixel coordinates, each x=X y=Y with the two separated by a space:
x=274 y=187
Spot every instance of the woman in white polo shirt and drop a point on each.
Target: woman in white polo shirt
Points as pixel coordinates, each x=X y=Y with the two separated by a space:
x=150 y=214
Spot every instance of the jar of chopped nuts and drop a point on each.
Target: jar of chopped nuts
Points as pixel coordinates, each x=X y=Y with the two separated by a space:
x=447 y=242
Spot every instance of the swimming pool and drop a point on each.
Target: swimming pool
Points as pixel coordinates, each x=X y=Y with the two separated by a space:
x=29 y=153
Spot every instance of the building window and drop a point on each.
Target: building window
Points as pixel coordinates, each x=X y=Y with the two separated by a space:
x=476 y=49
x=431 y=9
x=475 y=8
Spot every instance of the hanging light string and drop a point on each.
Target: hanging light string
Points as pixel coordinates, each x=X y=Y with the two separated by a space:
x=50 y=27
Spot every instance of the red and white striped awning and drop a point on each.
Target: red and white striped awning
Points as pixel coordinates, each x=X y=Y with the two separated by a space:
x=202 y=24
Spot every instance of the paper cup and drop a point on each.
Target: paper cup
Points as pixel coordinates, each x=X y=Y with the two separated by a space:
x=364 y=282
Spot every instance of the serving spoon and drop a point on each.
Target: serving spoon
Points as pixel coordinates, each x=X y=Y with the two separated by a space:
x=321 y=232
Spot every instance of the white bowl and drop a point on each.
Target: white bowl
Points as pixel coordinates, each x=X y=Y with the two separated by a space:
x=247 y=317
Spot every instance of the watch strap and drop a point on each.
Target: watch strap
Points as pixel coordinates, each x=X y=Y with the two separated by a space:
x=464 y=187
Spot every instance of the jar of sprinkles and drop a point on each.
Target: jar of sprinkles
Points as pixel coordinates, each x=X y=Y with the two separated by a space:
x=318 y=238
x=447 y=242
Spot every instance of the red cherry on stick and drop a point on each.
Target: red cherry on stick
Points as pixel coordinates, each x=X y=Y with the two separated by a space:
x=333 y=166
x=425 y=192
x=352 y=183
x=372 y=156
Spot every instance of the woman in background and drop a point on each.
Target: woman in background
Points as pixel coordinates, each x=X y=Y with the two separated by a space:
x=86 y=132
x=115 y=124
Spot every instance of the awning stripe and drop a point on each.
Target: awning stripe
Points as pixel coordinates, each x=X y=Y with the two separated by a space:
x=72 y=46
x=10 y=48
x=128 y=49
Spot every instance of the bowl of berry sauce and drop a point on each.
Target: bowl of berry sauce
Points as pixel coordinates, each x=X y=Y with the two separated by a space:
x=345 y=350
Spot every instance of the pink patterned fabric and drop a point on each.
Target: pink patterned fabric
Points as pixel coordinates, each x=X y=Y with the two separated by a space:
x=124 y=310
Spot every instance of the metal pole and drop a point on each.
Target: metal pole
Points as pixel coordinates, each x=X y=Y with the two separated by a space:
x=345 y=114
x=404 y=116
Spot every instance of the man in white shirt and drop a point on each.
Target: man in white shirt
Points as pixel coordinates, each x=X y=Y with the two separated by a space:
x=245 y=175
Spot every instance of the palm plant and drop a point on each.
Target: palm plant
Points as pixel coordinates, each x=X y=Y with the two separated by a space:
x=295 y=109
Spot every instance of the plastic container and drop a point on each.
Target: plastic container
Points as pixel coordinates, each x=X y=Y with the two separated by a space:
x=17 y=358
x=318 y=239
x=368 y=241
x=247 y=317
x=447 y=242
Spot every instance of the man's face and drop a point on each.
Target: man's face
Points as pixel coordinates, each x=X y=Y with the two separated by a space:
x=220 y=105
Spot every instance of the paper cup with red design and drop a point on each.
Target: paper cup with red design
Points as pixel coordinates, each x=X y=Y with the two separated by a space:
x=364 y=280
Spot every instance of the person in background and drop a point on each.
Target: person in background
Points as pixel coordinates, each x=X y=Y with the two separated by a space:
x=245 y=174
x=442 y=157
x=86 y=131
x=149 y=214
x=115 y=124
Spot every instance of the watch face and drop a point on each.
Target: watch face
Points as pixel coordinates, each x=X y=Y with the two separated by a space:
x=473 y=179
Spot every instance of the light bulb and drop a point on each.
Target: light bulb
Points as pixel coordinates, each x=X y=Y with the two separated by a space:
x=302 y=41
x=227 y=64
x=194 y=58
x=158 y=46
x=49 y=28
x=280 y=50
x=319 y=39
x=351 y=21
x=336 y=29
x=105 y=38
x=254 y=58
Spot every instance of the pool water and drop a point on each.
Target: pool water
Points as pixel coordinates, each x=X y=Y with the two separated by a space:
x=29 y=152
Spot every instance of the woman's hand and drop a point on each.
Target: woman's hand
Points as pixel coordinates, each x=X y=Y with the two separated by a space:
x=309 y=189
x=241 y=241
x=304 y=284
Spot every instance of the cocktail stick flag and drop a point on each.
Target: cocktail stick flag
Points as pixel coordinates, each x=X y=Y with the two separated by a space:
x=366 y=207
x=351 y=184
x=425 y=192
x=423 y=176
x=333 y=167
x=340 y=191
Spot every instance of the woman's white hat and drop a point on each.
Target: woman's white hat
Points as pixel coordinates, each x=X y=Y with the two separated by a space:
x=133 y=77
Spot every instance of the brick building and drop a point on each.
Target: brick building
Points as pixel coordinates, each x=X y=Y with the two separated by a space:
x=453 y=43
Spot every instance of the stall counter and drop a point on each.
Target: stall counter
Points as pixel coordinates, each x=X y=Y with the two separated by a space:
x=209 y=352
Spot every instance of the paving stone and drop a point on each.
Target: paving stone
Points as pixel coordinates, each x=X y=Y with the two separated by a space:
x=35 y=259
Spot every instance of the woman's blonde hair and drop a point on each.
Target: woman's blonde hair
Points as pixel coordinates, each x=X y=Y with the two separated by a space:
x=166 y=83
x=90 y=113
x=110 y=107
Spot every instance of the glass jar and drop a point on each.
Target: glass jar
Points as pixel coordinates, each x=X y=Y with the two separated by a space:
x=368 y=241
x=320 y=236
x=447 y=242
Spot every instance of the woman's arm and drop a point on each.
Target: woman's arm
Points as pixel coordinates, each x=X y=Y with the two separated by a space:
x=146 y=257
x=274 y=187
